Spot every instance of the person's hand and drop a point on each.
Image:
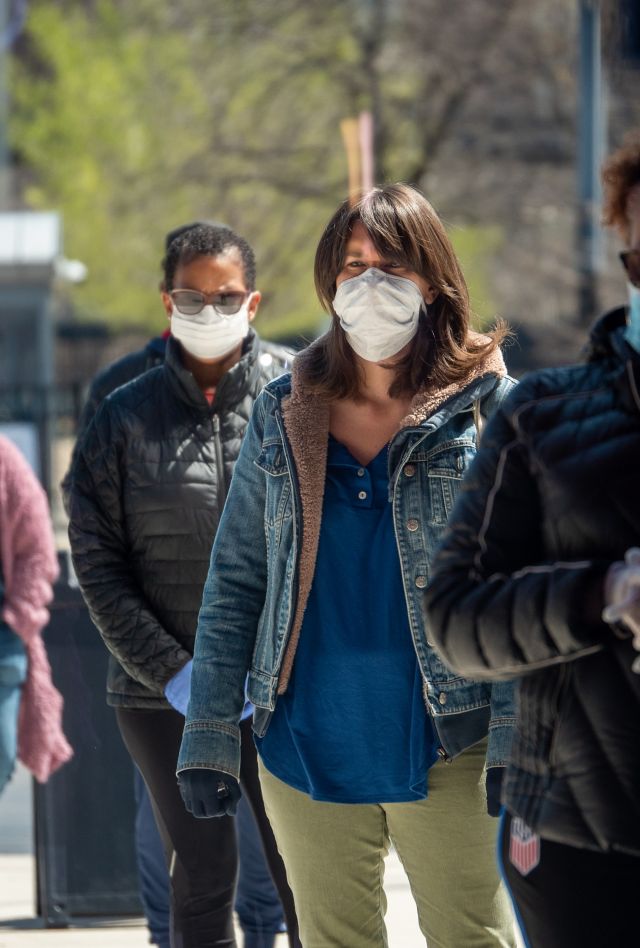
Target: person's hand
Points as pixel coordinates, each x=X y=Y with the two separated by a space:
x=622 y=594
x=493 y=783
x=622 y=597
x=207 y=793
x=178 y=689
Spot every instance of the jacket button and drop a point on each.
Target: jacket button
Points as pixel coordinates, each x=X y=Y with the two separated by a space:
x=413 y=525
x=409 y=470
x=421 y=581
x=442 y=698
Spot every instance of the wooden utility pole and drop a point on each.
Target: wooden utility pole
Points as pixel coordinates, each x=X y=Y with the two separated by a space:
x=590 y=154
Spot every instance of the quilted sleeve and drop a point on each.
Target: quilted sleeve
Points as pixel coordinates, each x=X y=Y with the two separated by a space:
x=97 y=533
x=497 y=606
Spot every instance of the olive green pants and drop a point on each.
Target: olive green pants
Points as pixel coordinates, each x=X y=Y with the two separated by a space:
x=334 y=856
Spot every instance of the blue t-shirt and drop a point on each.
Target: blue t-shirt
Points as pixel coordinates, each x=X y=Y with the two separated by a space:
x=352 y=726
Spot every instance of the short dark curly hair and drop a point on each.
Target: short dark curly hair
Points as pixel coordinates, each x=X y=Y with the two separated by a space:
x=620 y=173
x=207 y=240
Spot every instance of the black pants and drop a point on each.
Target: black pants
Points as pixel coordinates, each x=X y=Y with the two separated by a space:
x=201 y=854
x=574 y=898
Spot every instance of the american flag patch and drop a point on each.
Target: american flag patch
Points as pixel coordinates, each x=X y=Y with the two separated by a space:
x=524 y=847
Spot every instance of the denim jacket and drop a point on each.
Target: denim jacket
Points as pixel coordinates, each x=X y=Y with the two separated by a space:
x=263 y=560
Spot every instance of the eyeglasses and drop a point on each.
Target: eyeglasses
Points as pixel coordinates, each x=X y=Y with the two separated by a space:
x=192 y=302
x=631 y=263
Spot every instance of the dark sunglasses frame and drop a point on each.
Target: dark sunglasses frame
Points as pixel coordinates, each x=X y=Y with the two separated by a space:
x=631 y=262
x=209 y=299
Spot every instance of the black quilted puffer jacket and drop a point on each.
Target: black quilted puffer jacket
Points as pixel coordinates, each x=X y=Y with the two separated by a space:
x=552 y=499
x=148 y=485
x=118 y=373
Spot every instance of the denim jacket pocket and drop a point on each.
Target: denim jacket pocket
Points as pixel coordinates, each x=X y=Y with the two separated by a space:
x=278 y=486
x=261 y=691
x=447 y=469
x=439 y=673
x=272 y=458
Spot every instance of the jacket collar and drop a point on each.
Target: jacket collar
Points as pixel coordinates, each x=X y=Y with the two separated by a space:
x=299 y=405
x=606 y=335
x=157 y=346
x=607 y=341
x=233 y=386
x=426 y=404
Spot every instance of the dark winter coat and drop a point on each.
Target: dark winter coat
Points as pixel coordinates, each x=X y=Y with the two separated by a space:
x=148 y=486
x=552 y=499
x=118 y=373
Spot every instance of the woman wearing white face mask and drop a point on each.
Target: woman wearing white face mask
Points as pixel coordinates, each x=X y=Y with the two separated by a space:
x=342 y=488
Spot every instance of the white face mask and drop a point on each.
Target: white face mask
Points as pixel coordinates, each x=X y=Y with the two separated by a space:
x=632 y=332
x=378 y=312
x=208 y=335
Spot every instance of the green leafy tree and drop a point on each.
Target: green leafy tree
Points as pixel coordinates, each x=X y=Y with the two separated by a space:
x=134 y=118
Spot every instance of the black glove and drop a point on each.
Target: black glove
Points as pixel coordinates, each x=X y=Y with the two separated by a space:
x=208 y=793
x=494 y=790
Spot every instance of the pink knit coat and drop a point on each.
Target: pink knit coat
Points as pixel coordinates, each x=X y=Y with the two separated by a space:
x=29 y=567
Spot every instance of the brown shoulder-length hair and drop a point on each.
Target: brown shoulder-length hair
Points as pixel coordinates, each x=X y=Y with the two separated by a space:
x=620 y=174
x=405 y=228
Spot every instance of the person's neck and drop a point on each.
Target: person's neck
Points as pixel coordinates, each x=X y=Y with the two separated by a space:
x=375 y=384
x=209 y=373
x=366 y=423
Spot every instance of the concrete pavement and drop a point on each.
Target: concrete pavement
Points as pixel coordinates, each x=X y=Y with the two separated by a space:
x=20 y=929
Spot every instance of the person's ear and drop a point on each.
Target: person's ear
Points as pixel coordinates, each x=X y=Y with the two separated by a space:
x=254 y=303
x=167 y=303
x=430 y=295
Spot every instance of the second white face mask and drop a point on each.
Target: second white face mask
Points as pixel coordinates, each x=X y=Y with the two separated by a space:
x=210 y=335
x=378 y=312
x=632 y=331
